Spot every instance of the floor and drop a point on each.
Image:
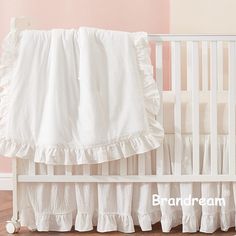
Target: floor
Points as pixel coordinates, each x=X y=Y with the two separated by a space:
x=6 y=209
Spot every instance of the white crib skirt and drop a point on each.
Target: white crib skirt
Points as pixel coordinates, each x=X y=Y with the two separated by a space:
x=120 y=206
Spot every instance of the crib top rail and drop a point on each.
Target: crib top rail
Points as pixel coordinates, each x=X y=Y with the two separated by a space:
x=190 y=37
x=22 y=23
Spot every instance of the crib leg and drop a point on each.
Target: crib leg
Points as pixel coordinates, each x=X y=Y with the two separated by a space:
x=13 y=225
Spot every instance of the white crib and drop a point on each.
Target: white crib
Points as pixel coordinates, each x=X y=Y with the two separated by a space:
x=198 y=64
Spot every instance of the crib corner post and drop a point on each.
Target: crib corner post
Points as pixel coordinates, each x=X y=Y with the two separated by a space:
x=15 y=214
x=13 y=225
x=20 y=23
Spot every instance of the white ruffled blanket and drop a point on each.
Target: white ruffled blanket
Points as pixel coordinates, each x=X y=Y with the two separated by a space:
x=77 y=96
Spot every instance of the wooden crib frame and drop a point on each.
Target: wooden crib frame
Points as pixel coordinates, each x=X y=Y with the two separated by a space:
x=176 y=96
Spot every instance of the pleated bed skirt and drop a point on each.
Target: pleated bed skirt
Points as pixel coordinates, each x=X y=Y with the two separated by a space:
x=120 y=206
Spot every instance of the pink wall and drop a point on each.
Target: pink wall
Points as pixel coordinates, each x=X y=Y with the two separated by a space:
x=128 y=15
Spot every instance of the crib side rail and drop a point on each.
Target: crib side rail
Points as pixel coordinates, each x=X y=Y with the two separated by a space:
x=125 y=179
x=190 y=37
x=202 y=51
x=202 y=70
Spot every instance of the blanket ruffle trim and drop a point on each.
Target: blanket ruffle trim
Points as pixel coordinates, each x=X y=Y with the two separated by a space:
x=7 y=60
x=66 y=155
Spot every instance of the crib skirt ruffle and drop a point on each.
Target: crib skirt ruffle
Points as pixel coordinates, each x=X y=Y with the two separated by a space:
x=120 y=206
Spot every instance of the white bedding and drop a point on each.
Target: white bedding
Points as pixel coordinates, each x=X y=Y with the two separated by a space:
x=110 y=206
x=77 y=96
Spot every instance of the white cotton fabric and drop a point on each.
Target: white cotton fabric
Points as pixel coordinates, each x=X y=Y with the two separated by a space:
x=77 y=96
x=120 y=206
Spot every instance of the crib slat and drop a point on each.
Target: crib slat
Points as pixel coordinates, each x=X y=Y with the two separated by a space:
x=148 y=163
x=205 y=78
x=159 y=78
x=141 y=164
x=50 y=169
x=231 y=112
x=86 y=169
x=213 y=106
x=105 y=168
x=176 y=87
x=68 y=170
x=32 y=167
x=220 y=65
x=123 y=166
x=131 y=165
x=193 y=68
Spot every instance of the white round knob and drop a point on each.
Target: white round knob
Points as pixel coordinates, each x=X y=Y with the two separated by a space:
x=10 y=227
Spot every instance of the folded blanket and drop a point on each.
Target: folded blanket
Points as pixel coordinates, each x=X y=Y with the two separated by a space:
x=77 y=96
